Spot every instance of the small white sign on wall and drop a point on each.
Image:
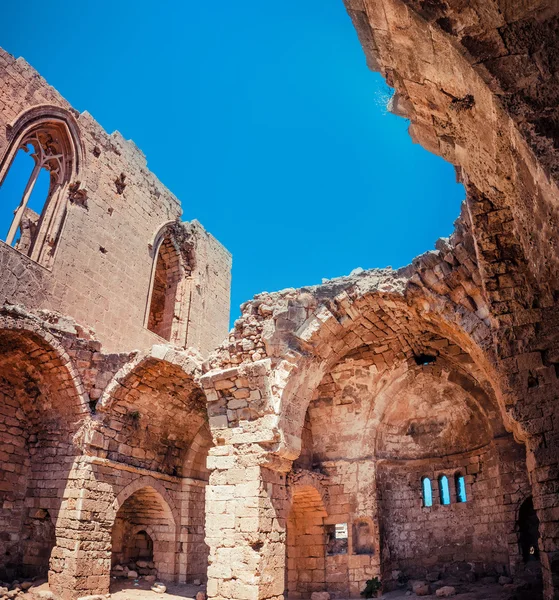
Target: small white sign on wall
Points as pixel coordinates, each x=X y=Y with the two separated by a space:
x=341 y=531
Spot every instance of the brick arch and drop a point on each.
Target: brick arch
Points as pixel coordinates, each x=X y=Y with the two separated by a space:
x=26 y=335
x=148 y=482
x=133 y=511
x=189 y=362
x=380 y=320
x=159 y=407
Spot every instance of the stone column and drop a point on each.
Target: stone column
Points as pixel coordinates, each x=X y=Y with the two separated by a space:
x=543 y=466
x=80 y=563
x=246 y=499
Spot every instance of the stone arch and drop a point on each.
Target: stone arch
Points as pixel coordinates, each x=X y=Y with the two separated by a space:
x=486 y=415
x=42 y=408
x=148 y=482
x=42 y=113
x=167 y=306
x=330 y=332
x=158 y=408
x=47 y=351
x=145 y=505
x=187 y=361
x=195 y=461
x=53 y=135
x=305 y=485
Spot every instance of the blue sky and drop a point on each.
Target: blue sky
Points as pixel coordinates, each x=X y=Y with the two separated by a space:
x=261 y=117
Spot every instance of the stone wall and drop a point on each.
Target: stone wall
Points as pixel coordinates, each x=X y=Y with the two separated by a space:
x=325 y=405
x=101 y=259
x=464 y=539
x=72 y=482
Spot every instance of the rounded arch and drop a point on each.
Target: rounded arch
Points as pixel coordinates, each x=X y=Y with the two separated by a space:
x=306 y=491
x=148 y=483
x=146 y=507
x=188 y=361
x=42 y=410
x=452 y=391
x=394 y=323
x=197 y=453
x=38 y=348
x=160 y=409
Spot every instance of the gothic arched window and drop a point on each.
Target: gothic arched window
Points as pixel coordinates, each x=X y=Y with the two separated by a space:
x=35 y=171
x=163 y=308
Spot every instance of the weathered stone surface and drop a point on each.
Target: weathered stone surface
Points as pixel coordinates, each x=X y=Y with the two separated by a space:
x=310 y=453
x=446 y=591
x=318 y=596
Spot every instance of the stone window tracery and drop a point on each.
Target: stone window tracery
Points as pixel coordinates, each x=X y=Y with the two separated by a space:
x=38 y=218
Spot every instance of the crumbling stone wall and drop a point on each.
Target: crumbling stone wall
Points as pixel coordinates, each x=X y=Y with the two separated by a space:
x=96 y=434
x=71 y=480
x=101 y=259
x=374 y=435
x=464 y=539
x=486 y=296
x=475 y=320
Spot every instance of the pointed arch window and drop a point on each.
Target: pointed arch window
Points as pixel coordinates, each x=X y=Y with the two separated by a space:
x=427 y=492
x=36 y=169
x=164 y=305
x=444 y=490
x=460 y=484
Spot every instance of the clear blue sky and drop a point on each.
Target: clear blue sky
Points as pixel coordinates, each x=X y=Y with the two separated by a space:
x=264 y=120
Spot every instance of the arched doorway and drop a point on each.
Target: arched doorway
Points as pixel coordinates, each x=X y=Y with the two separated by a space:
x=306 y=543
x=528 y=531
x=144 y=536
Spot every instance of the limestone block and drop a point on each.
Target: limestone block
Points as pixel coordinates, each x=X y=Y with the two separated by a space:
x=421 y=588
x=446 y=591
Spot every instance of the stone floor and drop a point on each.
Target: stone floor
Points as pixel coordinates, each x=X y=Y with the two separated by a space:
x=125 y=589
x=140 y=590
x=480 y=591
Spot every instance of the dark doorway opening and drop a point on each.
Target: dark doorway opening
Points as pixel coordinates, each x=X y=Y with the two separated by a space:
x=528 y=531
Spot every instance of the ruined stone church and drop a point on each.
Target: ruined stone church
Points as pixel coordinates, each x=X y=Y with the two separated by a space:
x=398 y=425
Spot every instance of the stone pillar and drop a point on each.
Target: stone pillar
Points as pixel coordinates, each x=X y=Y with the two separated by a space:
x=543 y=465
x=246 y=499
x=245 y=530
x=81 y=560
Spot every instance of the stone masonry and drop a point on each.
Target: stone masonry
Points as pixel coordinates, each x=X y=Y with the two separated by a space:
x=398 y=425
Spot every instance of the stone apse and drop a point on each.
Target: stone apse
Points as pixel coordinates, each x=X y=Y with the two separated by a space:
x=393 y=424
